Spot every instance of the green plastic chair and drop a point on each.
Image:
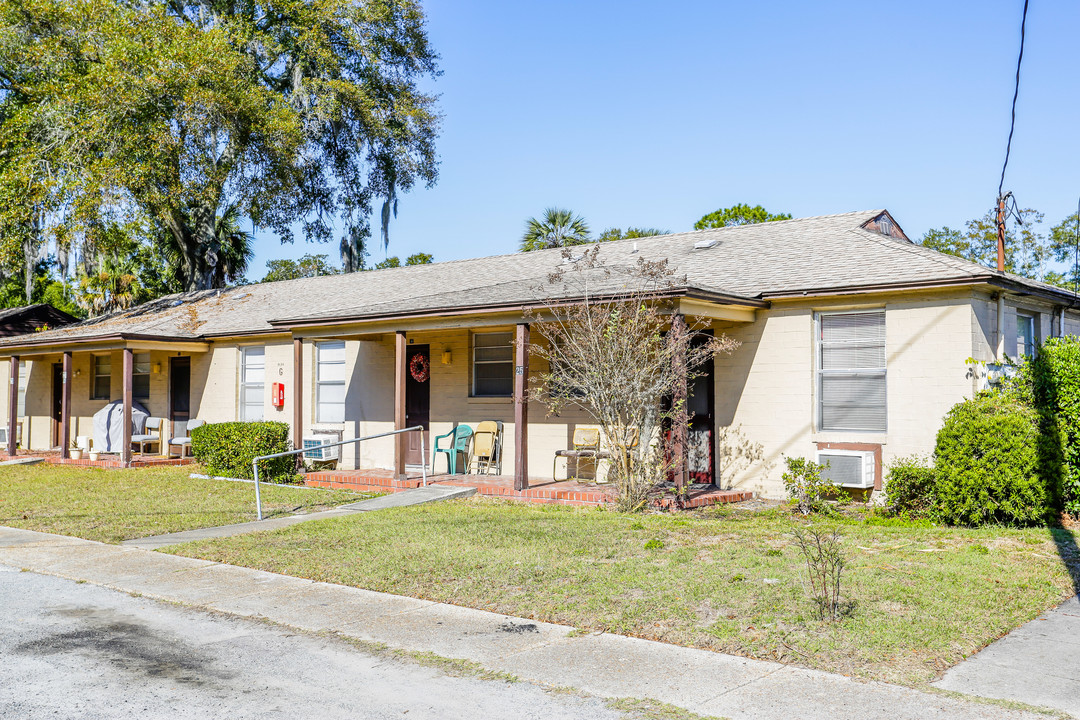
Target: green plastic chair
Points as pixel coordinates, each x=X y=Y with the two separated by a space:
x=459 y=443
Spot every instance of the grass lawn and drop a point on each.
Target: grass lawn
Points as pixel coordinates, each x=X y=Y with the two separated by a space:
x=924 y=597
x=115 y=505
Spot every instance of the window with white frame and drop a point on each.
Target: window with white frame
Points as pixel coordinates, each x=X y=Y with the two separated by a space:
x=101 y=387
x=140 y=376
x=252 y=382
x=330 y=382
x=851 y=371
x=24 y=379
x=493 y=364
x=1025 y=335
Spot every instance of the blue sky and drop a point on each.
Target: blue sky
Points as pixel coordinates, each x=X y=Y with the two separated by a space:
x=653 y=114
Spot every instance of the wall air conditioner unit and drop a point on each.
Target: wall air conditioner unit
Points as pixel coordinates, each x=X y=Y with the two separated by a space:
x=848 y=468
x=312 y=451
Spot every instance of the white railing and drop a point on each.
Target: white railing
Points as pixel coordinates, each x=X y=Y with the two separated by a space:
x=255 y=461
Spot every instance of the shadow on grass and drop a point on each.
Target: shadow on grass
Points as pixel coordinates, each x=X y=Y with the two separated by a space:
x=1069 y=552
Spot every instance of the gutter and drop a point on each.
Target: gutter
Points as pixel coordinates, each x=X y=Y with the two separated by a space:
x=457 y=310
x=91 y=339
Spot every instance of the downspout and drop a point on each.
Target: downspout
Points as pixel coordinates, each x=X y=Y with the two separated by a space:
x=1000 y=355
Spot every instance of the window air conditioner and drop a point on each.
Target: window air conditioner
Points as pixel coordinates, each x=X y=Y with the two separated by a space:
x=848 y=468
x=313 y=451
x=4 y=434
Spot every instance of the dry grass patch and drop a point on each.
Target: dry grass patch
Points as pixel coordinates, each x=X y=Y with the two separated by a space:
x=923 y=598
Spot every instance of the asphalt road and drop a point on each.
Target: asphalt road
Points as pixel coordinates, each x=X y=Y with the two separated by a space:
x=71 y=650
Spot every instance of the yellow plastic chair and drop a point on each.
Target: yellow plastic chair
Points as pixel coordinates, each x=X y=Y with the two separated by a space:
x=487 y=448
x=586 y=445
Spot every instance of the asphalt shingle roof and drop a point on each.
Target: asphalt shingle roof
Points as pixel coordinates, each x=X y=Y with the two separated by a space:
x=750 y=261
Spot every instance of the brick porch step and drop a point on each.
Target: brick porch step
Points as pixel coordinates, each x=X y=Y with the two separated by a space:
x=540 y=491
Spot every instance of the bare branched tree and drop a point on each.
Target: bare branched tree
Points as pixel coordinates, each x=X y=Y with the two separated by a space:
x=613 y=349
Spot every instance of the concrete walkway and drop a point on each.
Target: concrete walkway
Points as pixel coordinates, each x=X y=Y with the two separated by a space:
x=704 y=682
x=1038 y=663
x=417 y=496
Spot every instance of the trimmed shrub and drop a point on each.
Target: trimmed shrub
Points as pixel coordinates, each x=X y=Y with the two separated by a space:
x=228 y=448
x=1054 y=378
x=910 y=488
x=995 y=465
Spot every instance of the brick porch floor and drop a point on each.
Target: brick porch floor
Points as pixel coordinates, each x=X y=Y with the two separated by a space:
x=109 y=461
x=540 y=490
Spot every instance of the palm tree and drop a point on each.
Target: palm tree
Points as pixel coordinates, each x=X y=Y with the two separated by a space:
x=111 y=286
x=227 y=257
x=234 y=247
x=559 y=228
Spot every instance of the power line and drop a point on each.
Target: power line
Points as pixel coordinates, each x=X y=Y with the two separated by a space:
x=1001 y=198
x=1016 y=93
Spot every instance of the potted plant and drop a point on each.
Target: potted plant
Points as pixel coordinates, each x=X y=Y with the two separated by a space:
x=93 y=455
x=76 y=452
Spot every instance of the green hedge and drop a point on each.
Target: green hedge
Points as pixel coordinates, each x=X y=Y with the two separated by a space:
x=911 y=488
x=228 y=449
x=994 y=464
x=1054 y=377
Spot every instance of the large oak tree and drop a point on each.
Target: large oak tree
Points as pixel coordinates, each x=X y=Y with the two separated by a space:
x=300 y=113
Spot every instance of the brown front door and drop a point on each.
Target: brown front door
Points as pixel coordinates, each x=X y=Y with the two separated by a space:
x=57 y=401
x=179 y=395
x=417 y=400
x=700 y=406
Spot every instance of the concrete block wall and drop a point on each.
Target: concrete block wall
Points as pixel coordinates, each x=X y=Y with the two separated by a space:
x=766 y=390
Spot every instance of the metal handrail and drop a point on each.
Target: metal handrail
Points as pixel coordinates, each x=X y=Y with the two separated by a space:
x=255 y=460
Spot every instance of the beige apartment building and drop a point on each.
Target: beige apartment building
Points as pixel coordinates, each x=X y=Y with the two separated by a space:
x=854 y=343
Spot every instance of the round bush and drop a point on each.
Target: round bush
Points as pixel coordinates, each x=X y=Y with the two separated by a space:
x=228 y=448
x=994 y=465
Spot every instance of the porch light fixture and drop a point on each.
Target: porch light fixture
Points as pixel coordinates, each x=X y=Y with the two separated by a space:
x=156 y=368
x=446 y=357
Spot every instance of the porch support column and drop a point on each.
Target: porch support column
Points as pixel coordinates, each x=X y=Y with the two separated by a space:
x=521 y=407
x=13 y=405
x=65 y=407
x=125 y=434
x=400 y=440
x=298 y=397
x=680 y=420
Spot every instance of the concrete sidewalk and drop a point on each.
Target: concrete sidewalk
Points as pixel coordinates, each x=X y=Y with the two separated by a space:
x=605 y=665
x=416 y=496
x=1037 y=663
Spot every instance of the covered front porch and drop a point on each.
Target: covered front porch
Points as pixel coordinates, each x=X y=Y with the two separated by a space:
x=446 y=373
x=54 y=392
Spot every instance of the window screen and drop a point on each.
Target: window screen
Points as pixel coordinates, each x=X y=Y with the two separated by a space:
x=102 y=387
x=493 y=364
x=330 y=382
x=140 y=376
x=851 y=371
x=1025 y=336
x=252 y=382
x=24 y=379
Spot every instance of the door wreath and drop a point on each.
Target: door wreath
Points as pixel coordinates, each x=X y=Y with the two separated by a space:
x=419 y=367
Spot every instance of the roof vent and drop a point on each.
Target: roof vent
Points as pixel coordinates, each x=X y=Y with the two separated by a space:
x=706 y=244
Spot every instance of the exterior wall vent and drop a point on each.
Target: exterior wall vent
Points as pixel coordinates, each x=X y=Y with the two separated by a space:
x=848 y=468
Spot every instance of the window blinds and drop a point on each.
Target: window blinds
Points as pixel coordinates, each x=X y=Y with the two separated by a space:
x=851 y=371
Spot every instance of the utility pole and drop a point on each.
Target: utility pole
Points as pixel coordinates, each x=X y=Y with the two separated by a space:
x=1001 y=231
